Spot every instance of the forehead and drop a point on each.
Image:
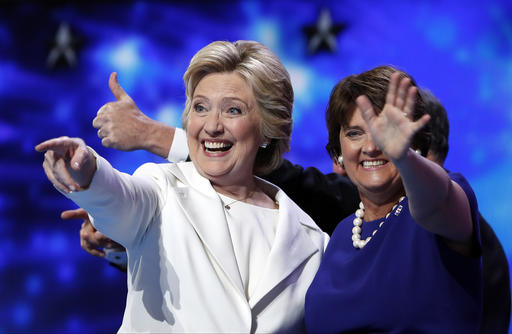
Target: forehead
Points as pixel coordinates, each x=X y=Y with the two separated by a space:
x=224 y=84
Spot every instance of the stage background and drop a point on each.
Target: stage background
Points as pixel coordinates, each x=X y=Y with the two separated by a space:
x=460 y=50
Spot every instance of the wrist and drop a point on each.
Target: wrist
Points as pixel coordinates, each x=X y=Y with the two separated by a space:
x=158 y=138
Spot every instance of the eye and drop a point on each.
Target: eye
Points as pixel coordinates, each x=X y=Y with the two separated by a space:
x=234 y=111
x=353 y=134
x=199 y=108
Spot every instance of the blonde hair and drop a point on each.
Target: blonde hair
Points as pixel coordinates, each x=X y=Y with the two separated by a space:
x=270 y=84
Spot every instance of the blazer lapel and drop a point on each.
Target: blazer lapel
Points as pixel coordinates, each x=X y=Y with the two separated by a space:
x=204 y=209
x=292 y=246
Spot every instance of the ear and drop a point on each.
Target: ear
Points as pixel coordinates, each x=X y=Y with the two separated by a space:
x=338 y=169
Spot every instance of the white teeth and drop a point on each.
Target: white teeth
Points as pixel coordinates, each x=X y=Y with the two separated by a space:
x=215 y=144
x=374 y=163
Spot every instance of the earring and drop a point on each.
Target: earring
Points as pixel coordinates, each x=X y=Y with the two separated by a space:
x=418 y=151
x=340 y=161
x=264 y=145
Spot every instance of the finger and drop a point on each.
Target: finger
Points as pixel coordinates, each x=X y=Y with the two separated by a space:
x=62 y=175
x=60 y=145
x=74 y=214
x=392 y=87
x=91 y=250
x=366 y=108
x=98 y=121
x=401 y=94
x=410 y=102
x=116 y=88
x=81 y=156
x=419 y=124
x=51 y=177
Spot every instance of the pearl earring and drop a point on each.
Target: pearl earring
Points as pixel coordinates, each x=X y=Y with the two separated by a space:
x=340 y=160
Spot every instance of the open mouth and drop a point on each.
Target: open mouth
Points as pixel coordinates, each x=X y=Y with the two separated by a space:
x=373 y=163
x=216 y=146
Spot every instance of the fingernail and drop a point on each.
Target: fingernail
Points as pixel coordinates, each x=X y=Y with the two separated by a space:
x=76 y=164
x=72 y=188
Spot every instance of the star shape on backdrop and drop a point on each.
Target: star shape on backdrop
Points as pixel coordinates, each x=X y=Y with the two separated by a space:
x=322 y=36
x=63 y=48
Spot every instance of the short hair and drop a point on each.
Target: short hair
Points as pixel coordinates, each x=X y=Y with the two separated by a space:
x=374 y=84
x=440 y=126
x=270 y=84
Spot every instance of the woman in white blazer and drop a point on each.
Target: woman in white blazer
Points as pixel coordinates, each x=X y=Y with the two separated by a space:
x=211 y=247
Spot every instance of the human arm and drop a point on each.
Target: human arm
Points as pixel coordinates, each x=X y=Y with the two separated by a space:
x=436 y=202
x=121 y=125
x=121 y=205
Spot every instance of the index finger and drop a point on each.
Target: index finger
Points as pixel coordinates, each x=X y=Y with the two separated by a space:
x=74 y=214
x=56 y=144
x=116 y=88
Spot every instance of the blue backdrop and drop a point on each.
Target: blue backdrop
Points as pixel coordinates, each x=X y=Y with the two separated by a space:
x=461 y=51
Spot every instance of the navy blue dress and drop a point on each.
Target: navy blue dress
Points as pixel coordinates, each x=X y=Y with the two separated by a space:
x=405 y=280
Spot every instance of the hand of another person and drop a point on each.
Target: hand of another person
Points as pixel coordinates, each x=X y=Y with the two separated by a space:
x=90 y=239
x=393 y=130
x=68 y=163
x=121 y=124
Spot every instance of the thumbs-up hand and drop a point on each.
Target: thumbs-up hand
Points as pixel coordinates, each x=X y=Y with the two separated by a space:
x=121 y=124
x=68 y=163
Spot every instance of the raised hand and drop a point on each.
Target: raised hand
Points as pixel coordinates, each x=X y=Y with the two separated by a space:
x=393 y=130
x=91 y=240
x=68 y=163
x=121 y=124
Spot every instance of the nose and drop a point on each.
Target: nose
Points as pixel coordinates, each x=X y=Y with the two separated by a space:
x=213 y=126
x=370 y=148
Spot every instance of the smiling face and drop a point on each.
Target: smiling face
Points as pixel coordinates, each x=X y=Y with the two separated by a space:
x=366 y=165
x=223 y=129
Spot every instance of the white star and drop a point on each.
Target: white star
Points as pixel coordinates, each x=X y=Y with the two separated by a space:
x=63 y=47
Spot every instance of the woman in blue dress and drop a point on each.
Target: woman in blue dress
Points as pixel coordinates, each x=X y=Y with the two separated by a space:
x=407 y=261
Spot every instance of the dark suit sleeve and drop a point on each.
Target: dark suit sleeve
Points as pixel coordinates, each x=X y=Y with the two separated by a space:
x=496 y=283
x=327 y=198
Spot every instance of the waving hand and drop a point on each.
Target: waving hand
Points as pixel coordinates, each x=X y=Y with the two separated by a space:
x=392 y=130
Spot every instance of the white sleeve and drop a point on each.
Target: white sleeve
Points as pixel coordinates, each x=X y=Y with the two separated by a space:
x=179 y=147
x=121 y=206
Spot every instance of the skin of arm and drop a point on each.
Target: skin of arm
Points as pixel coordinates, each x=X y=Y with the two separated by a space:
x=436 y=202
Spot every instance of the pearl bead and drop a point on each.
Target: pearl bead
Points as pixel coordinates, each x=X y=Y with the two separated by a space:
x=358 y=222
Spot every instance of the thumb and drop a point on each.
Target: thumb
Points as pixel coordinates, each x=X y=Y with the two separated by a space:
x=116 y=88
x=80 y=157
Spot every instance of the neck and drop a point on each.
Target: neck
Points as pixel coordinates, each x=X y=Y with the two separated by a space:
x=237 y=191
x=378 y=207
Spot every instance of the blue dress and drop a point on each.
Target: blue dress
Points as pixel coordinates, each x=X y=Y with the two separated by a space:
x=405 y=280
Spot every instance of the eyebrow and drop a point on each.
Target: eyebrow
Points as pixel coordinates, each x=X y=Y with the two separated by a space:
x=224 y=99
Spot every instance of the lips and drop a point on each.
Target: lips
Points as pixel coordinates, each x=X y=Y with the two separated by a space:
x=373 y=163
x=216 y=146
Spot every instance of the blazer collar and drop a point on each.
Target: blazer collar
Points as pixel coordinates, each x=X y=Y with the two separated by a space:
x=292 y=245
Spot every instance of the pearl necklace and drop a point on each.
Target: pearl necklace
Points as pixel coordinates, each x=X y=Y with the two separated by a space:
x=358 y=223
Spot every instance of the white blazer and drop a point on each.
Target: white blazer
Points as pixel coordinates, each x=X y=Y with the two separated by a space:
x=182 y=270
